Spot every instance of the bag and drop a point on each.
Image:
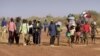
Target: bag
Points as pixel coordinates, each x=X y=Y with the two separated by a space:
x=68 y=34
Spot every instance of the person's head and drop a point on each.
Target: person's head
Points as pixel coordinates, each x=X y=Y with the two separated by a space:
x=34 y=21
x=12 y=20
x=72 y=27
x=58 y=25
x=86 y=22
x=18 y=19
x=51 y=22
x=30 y=22
x=45 y=20
x=78 y=24
x=24 y=21
x=38 y=21
x=3 y=18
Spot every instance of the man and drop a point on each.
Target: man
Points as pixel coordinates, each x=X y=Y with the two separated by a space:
x=34 y=31
x=45 y=25
x=52 y=32
x=39 y=28
x=17 y=32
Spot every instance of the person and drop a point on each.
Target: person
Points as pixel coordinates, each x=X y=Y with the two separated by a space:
x=30 y=31
x=45 y=25
x=4 y=22
x=39 y=27
x=37 y=32
x=4 y=28
x=18 y=24
x=82 y=31
x=52 y=32
x=68 y=36
x=93 y=31
x=24 y=32
x=86 y=32
x=34 y=31
x=78 y=32
x=72 y=33
x=11 y=30
x=59 y=29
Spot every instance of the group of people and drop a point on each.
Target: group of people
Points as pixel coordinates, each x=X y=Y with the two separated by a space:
x=80 y=31
x=18 y=29
x=29 y=30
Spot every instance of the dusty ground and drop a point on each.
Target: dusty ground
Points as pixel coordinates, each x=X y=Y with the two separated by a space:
x=46 y=50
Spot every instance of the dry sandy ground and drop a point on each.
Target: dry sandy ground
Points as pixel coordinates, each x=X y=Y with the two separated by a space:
x=46 y=50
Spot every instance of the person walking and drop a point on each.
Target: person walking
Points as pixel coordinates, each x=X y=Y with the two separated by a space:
x=3 y=29
x=52 y=32
x=93 y=31
x=39 y=27
x=11 y=30
x=18 y=24
x=86 y=32
x=45 y=25
x=29 y=32
x=24 y=31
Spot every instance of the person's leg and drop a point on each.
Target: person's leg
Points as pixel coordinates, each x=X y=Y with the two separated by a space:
x=34 y=38
x=86 y=38
x=76 y=39
x=12 y=37
x=9 y=39
x=39 y=38
x=16 y=37
x=23 y=39
x=72 y=39
x=93 y=39
x=58 y=38
x=51 y=40
x=44 y=29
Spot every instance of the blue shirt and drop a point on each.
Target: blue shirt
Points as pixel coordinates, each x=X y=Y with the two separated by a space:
x=52 y=29
x=4 y=23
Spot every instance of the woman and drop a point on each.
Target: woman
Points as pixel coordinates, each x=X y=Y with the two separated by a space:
x=11 y=30
x=24 y=31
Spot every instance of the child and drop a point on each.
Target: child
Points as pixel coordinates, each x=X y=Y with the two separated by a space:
x=58 y=33
x=93 y=31
x=78 y=32
x=72 y=33
x=69 y=38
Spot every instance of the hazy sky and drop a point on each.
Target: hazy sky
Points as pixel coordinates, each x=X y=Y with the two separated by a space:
x=27 y=8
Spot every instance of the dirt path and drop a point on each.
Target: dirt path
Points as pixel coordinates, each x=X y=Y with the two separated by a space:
x=46 y=50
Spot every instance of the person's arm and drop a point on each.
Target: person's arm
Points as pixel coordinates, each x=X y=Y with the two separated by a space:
x=96 y=29
x=15 y=26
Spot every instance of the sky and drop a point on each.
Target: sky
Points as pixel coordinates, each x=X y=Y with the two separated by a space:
x=41 y=8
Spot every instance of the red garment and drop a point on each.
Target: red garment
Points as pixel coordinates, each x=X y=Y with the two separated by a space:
x=86 y=28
